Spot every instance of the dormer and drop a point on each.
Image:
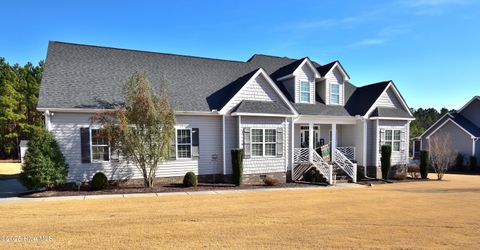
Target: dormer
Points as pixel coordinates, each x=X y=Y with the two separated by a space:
x=331 y=86
x=298 y=78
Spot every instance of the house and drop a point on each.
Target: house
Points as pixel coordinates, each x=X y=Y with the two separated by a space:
x=462 y=128
x=283 y=112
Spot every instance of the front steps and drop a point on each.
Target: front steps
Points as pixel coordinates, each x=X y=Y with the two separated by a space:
x=339 y=175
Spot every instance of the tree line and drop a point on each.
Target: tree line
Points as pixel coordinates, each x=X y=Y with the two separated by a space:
x=19 y=118
x=424 y=118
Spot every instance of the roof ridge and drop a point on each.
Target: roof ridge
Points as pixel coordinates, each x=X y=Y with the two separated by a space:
x=149 y=52
x=282 y=57
x=371 y=84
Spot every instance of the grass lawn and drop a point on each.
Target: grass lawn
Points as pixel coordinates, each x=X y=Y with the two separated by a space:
x=409 y=215
x=10 y=168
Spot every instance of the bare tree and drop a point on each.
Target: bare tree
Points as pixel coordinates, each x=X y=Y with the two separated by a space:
x=143 y=128
x=441 y=153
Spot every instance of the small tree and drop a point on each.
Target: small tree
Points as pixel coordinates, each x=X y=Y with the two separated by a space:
x=424 y=164
x=386 y=160
x=141 y=129
x=441 y=154
x=473 y=163
x=44 y=164
x=237 y=165
x=459 y=162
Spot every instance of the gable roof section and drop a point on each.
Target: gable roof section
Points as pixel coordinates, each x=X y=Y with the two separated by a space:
x=475 y=98
x=458 y=120
x=397 y=94
x=325 y=69
x=363 y=98
x=289 y=71
x=249 y=77
x=383 y=112
x=261 y=107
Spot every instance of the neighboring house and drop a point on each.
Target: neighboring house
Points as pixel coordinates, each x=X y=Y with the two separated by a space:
x=462 y=128
x=279 y=110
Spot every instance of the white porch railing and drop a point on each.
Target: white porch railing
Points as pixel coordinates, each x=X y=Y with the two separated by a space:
x=345 y=164
x=349 y=152
x=308 y=155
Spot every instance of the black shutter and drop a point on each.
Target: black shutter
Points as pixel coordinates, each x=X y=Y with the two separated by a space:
x=195 y=143
x=246 y=143
x=279 y=142
x=85 y=144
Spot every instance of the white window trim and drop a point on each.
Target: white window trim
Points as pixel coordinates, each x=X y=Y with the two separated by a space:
x=176 y=143
x=91 y=146
x=263 y=143
x=400 y=149
x=309 y=91
x=331 y=93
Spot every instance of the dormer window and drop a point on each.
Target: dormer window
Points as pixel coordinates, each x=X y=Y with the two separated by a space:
x=334 y=93
x=305 y=91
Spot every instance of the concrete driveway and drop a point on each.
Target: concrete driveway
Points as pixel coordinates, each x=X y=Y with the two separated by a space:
x=10 y=187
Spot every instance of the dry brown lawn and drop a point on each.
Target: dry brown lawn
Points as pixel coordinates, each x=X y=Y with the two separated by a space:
x=10 y=168
x=409 y=215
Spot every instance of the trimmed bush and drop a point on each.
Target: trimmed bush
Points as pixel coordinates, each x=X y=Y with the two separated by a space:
x=237 y=166
x=473 y=163
x=459 y=162
x=99 y=181
x=190 y=180
x=270 y=181
x=44 y=164
x=424 y=164
x=386 y=160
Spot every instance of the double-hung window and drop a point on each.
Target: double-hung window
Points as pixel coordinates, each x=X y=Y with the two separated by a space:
x=184 y=143
x=100 y=146
x=264 y=142
x=393 y=138
x=334 y=93
x=305 y=91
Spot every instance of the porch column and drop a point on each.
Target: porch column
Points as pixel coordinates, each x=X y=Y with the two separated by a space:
x=334 y=140
x=310 y=140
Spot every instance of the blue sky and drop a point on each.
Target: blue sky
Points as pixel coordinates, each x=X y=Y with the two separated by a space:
x=430 y=48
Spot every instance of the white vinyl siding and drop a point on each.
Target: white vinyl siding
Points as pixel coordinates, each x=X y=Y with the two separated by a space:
x=460 y=140
x=334 y=77
x=66 y=129
x=304 y=74
x=398 y=156
x=273 y=164
x=389 y=100
x=257 y=89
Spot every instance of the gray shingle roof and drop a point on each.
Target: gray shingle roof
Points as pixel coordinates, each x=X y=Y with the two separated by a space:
x=465 y=123
x=390 y=112
x=84 y=76
x=261 y=107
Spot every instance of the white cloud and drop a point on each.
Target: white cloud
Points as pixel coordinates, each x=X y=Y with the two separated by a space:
x=368 y=42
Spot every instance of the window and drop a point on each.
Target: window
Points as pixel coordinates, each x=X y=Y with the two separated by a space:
x=393 y=138
x=264 y=142
x=334 y=93
x=100 y=146
x=305 y=91
x=184 y=143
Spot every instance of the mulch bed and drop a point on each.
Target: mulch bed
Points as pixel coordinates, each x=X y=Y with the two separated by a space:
x=159 y=188
x=380 y=181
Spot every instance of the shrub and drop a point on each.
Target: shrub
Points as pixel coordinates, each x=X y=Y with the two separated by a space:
x=399 y=172
x=44 y=164
x=414 y=171
x=386 y=160
x=459 y=162
x=190 y=180
x=270 y=181
x=473 y=163
x=99 y=181
x=237 y=166
x=424 y=164
x=313 y=175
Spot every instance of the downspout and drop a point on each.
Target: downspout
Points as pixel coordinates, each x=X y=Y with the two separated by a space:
x=48 y=121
